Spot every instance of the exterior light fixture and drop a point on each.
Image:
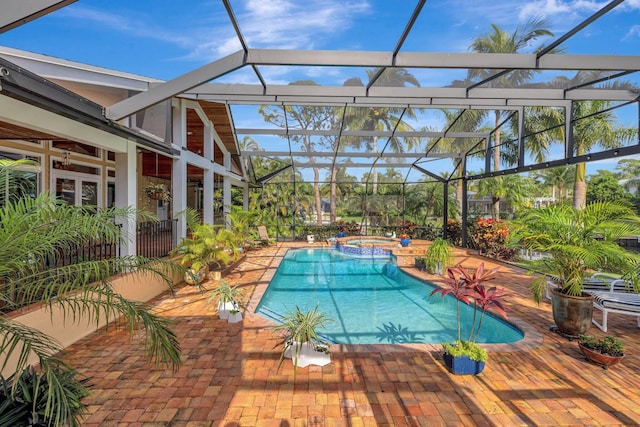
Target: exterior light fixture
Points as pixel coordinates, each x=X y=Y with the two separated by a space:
x=66 y=160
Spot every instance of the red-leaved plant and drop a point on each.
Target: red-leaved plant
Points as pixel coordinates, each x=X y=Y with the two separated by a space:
x=469 y=288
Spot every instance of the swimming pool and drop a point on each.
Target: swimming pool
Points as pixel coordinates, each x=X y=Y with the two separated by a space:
x=370 y=300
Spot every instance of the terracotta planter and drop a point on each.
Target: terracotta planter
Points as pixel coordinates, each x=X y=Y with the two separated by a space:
x=572 y=314
x=603 y=360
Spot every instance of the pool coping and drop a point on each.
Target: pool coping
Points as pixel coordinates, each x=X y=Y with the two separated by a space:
x=532 y=338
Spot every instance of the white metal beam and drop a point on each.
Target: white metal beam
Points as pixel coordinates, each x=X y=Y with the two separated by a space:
x=31 y=117
x=342 y=154
x=15 y=13
x=191 y=83
x=423 y=96
x=351 y=165
x=173 y=87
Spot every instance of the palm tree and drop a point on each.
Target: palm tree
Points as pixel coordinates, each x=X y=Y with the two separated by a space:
x=33 y=231
x=578 y=240
x=597 y=128
x=594 y=124
x=500 y=41
x=467 y=121
x=629 y=170
x=559 y=179
x=514 y=187
x=380 y=119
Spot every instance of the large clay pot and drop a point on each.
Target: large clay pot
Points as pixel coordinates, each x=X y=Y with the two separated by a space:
x=193 y=277
x=572 y=314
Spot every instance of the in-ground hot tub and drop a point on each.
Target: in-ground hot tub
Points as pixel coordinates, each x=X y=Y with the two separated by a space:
x=373 y=246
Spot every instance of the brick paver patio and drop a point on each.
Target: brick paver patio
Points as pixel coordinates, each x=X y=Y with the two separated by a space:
x=230 y=377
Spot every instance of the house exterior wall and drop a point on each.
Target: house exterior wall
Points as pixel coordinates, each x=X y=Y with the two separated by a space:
x=137 y=286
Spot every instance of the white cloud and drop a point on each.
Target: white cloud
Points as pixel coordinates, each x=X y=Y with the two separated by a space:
x=569 y=10
x=131 y=24
x=279 y=24
x=290 y=24
x=634 y=32
x=631 y=4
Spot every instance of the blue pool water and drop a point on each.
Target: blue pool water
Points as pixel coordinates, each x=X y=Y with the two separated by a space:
x=371 y=301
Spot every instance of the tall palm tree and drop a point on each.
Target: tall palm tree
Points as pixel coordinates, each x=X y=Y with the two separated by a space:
x=597 y=128
x=33 y=231
x=380 y=119
x=467 y=121
x=594 y=124
x=500 y=41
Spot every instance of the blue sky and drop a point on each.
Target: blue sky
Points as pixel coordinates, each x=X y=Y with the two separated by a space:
x=164 y=38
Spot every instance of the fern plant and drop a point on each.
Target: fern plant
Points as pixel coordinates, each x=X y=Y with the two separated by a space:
x=578 y=241
x=33 y=232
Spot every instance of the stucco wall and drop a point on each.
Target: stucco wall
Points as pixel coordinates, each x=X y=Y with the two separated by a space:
x=137 y=286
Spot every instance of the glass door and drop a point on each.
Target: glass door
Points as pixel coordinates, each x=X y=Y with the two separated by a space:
x=89 y=193
x=66 y=190
x=75 y=189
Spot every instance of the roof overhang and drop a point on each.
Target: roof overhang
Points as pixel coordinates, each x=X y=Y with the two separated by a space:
x=26 y=96
x=16 y=13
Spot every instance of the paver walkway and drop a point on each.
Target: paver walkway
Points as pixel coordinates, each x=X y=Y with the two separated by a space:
x=230 y=377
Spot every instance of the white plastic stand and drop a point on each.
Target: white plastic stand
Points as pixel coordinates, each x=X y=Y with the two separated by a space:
x=234 y=317
x=307 y=355
x=224 y=309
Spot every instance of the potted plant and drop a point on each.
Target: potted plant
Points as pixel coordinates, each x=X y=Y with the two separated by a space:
x=33 y=231
x=206 y=246
x=227 y=298
x=157 y=191
x=438 y=256
x=242 y=224
x=234 y=315
x=465 y=357
x=578 y=242
x=606 y=352
x=301 y=340
x=405 y=239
